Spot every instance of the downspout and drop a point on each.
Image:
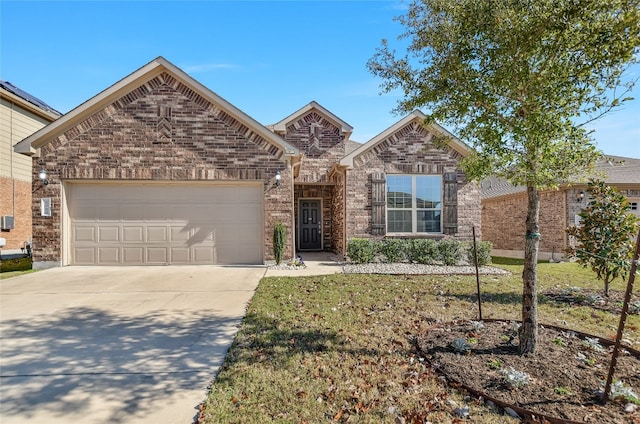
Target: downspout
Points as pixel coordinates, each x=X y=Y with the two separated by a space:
x=13 y=180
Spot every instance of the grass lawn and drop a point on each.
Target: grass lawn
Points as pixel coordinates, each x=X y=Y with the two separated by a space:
x=338 y=348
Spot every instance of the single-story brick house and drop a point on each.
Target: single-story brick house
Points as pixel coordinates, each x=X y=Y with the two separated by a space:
x=158 y=169
x=504 y=208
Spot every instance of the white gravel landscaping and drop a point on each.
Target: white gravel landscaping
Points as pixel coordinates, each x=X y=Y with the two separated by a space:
x=403 y=268
x=418 y=269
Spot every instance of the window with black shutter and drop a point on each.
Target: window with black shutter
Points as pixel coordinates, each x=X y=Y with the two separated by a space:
x=378 y=203
x=450 y=197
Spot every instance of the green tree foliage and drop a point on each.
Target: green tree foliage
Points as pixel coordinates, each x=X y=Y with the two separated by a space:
x=606 y=233
x=279 y=241
x=517 y=80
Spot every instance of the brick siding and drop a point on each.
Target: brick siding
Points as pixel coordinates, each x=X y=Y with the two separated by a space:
x=15 y=200
x=338 y=213
x=321 y=142
x=503 y=221
x=409 y=150
x=160 y=131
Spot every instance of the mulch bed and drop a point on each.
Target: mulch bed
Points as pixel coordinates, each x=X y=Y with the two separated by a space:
x=596 y=299
x=565 y=375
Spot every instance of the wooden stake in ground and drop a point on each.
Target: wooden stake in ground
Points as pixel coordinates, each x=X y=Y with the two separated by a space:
x=623 y=319
x=475 y=259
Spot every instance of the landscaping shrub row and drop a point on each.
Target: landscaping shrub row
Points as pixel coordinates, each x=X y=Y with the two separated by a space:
x=419 y=251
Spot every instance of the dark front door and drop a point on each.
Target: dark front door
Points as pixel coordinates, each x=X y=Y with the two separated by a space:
x=310 y=225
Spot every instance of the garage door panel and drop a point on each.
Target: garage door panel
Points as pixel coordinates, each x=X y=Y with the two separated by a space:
x=228 y=253
x=85 y=256
x=179 y=234
x=204 y=254
x=109 y=255
x=165 y=224
x=133 y=255
x=157 y=234
x=157 y=255
x=133 y=233
x=82 y=233
x=180 y=255
x=108 y=233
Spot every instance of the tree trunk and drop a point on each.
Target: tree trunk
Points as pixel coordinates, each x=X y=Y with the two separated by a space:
x=529 y=329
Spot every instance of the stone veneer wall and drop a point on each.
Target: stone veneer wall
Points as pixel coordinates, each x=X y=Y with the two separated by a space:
x=161 y=131
x=408 y=151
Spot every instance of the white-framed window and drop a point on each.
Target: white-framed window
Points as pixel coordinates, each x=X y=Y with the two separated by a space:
x=414 y=204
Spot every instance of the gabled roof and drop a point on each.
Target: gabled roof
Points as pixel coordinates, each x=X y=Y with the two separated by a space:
x=149 y=71
x=453 y=141
x=614 y=170
x=281 y=127
x=28 y=101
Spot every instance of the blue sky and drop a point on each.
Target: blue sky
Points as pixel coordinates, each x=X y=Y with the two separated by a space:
x=267 y=58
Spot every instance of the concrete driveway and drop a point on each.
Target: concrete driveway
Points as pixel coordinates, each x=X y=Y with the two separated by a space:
x=116 y=344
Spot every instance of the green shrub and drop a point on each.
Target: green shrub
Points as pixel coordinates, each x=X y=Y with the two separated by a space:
x=279 y=241
x=17 y=264
x=362 y=251
x=423 y=251
x=484 y=253
x=449 y=251
x=394 y=250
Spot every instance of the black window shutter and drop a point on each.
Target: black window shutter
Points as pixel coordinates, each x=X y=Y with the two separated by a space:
x=450 y=212
x=378 y=203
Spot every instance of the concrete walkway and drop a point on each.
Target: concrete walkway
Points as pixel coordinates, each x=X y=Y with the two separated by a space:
x=317 y=263
x=116 y=344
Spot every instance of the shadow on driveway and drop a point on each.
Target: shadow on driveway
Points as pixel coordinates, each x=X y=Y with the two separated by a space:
x=60 y=363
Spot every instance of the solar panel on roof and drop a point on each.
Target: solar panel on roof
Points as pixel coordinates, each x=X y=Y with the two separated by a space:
x=26 y=96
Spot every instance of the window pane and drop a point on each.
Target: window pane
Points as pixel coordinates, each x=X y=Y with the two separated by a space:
x=399 y=222
x=428 y=222
x=428 y=192
x=399 y=191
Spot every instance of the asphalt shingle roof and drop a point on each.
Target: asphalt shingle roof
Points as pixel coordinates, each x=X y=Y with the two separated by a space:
x=613 y=170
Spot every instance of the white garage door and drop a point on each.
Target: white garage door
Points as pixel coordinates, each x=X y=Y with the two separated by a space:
x=158 y=224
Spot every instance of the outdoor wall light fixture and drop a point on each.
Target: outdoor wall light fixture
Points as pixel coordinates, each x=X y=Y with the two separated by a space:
x=278 y=179
x=43 y=177
x=580 y=196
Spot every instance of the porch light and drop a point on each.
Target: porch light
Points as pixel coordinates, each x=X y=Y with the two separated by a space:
x=278 y=179
x=580 y=196
x=43 y=177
